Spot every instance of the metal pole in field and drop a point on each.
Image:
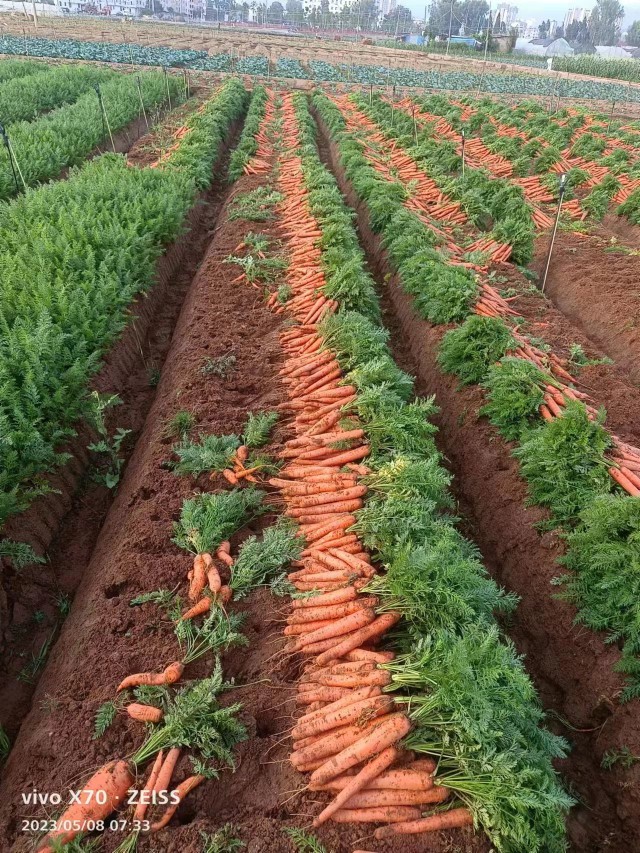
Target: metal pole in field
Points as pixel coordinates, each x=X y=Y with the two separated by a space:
x=562 y=188
x=144 y=112
x=5 y=139
x=415 y=124
x=166 y=79
x=450 y=28
x=371 y=94
x=613 y=106
x=464 y=139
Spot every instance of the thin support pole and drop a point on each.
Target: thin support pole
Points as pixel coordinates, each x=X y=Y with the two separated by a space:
x=562 y=188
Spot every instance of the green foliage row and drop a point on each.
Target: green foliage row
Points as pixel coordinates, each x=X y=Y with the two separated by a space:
x=64 y=137
x=11 y=69
x=23 y=99
x=73 y=254
x=248 y=144
x=442 y=293
x=563 y=461
x=471 y=701
x=491 y=203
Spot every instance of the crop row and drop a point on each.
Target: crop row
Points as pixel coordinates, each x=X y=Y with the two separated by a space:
x=377 y=75
x=449 y=655
x=66 y=136
x=23 y=99
x=73 y=255
x=13 y=68
x=571 y=463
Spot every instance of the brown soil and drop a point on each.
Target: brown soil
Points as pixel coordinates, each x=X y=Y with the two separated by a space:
x=147 y=149
x=66 y=523
x=572 y=667
x=598 y=291
x=104 y=638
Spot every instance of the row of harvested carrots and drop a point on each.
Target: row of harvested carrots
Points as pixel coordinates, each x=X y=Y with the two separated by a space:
x=348 y=735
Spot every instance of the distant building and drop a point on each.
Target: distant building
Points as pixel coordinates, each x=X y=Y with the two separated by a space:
x=508 y=13
x=387 y=6
x=575 y=16
x=544 y=47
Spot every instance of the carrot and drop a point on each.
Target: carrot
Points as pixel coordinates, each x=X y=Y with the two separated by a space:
x=372 y=799
x=368 y=773
x=375 y=678
x=336 y=611
x=365 y=654
x=199 y=578
x=213 y=579
x=328 y=497
x=350 y=696
x=224 y=557
x=331 y=744
x=163 y=779
x=343 y=716
x=181 y=791
x=229 y=476
x=388 y=814
x=113 y=781
x=446 y=820
x=386 y=733
x=144 y=713
x=401 y=780
x=143 y=804
x=374 y=629
x=308 y=627
x=340 y=596
x=169 y=675
x=226 y=594
x=203 y=606
x=338 y=627
x=323 y=694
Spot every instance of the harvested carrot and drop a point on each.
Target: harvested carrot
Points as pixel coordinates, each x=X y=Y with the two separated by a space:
x=385 y=797
x=386 y=733
x=180 y=792
x=330 y=598
x=169 y=675
x=163 y=779
x=143 y=803
x=339 y=627
x=402 y=780
x=203 y=606
x=199 y=578
x=452 y=819
x=365 y=708
x=144 y=713
x=113 y=781
x=358 y=638
x=368 y=773
x=388 y=814
x=213 y=579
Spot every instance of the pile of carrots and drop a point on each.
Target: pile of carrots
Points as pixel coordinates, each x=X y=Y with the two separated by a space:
x=178 y=135
x=260 y=163
x=498 y=252
x=628 y=187
x=348 y=735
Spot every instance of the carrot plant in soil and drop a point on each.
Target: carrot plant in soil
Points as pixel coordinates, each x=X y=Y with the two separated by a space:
x=101 y=233
x=450 y=665
x=563 y=461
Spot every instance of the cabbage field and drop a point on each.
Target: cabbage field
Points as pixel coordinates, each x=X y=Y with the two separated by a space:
x=320 y=481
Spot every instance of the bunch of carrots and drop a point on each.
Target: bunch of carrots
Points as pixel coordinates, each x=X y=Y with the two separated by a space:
x=238 y=471
x=348 y=736
x=498 y=252
x=260 y=162
x=178 y=135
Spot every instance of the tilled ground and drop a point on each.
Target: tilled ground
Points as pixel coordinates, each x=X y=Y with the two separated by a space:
x=572 y=667
x=104 y=638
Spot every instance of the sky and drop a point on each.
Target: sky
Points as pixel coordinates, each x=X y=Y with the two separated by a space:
x=532 y=9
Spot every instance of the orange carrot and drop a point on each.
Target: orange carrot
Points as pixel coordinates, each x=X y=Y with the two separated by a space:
x=349 y=697
x=446 y=820
x=181 y=791
x=144 y=713
x=332 y=743
x=389 y=814
x=365 y=654
x=170 y=675
x=386 y=733
x=338 y=627
x=401 y=780
x=323 y=694
x=368 y=773
x=163 y=779
x=343 y=716
x=113 y=781
x=143 y=804
x=358 y=638
x=340 y=596
x=385 y=797
x=203 y=606
x=225 y=594
x=199 y=578
x=213 y=579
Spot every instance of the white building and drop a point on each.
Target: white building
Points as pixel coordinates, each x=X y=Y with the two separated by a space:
x=508 y=13
x=575 y=16
x=387 y=6
x=130 y=8
x=333 y=6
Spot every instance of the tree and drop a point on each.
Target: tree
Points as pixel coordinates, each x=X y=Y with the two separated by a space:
x=276 y=12
x=578 y=32
x=605 y=23
x=633 y=36
x=399 y=20
x=544 y=29
x=295 y=11
x=469 y=13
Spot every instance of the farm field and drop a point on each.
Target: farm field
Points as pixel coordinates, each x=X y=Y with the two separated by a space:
x=317 y=513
